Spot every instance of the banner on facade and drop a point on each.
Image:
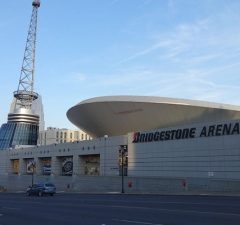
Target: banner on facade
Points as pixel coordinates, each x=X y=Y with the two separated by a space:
x=46 y=166
x=67 y=166
x=15 y=166
x=30 y=166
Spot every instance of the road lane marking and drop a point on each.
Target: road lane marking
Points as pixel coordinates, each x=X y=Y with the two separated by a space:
x=160 y=209
x=136 y=222
x=85 y=204
x=10 y=208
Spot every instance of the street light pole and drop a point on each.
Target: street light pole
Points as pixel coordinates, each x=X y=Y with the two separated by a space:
x=33 y=167
x=32 y=178
x=123 y=152
x=122 y=155
x=104 y=158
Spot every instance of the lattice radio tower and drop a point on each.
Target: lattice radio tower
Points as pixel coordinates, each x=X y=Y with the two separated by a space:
x=25 y=94
x=22 y=127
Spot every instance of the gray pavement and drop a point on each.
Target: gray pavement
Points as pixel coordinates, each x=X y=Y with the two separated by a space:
x=117 y=209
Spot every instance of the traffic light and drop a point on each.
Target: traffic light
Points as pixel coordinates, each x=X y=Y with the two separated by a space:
x=124 y=148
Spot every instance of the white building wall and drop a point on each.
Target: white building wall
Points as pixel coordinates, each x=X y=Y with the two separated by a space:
x=205 y=163
x=206 y=157
x=106 y=148
x=5 y=166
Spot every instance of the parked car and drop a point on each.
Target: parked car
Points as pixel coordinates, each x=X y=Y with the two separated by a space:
x=42 y=189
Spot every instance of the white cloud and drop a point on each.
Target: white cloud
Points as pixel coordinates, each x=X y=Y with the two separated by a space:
x=79 y=77
x=170 y=45
x=190 y=61
x=113 y=2
x=154 y=47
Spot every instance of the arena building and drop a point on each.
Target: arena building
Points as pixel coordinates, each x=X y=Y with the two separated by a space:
x=158 y=144
x=119 y=115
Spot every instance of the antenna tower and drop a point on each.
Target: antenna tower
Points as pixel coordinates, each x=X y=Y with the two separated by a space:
x=24 y=94
x=22 y=127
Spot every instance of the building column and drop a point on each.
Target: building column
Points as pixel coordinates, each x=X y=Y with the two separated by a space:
x=76 y=165
x=103 y=156
x=56 y=168
x=81 y=166
x=6 y=166
x=38 y=166
x=22 y=166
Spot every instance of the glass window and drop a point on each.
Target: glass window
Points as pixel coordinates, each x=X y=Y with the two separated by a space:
x=12 y=134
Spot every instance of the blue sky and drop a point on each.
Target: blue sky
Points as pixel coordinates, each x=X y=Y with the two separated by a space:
x=87 y=48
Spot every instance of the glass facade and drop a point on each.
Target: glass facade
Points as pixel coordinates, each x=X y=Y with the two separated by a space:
x=13 y=134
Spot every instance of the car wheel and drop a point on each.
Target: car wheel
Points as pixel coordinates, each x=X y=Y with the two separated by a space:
x=40 y=194
x=52 y=194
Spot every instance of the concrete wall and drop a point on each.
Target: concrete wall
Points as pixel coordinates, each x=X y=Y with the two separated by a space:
x=193 y=165
x=106 y=148
x=109 y=184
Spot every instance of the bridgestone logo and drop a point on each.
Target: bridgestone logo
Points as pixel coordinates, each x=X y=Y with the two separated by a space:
x=187 y=133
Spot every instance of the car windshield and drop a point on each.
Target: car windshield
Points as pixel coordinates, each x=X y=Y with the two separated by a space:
x=49 y=185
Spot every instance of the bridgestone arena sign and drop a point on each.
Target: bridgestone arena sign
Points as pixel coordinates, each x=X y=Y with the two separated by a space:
x=186 y=133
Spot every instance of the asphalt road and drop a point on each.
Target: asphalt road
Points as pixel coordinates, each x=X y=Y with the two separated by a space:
x=116 y=209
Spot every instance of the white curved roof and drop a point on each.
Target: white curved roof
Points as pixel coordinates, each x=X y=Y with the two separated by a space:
x=118 y=115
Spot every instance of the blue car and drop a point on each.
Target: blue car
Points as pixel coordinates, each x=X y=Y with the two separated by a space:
x=42 y=189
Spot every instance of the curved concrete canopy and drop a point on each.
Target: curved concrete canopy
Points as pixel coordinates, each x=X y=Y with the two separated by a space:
x=118 y=115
